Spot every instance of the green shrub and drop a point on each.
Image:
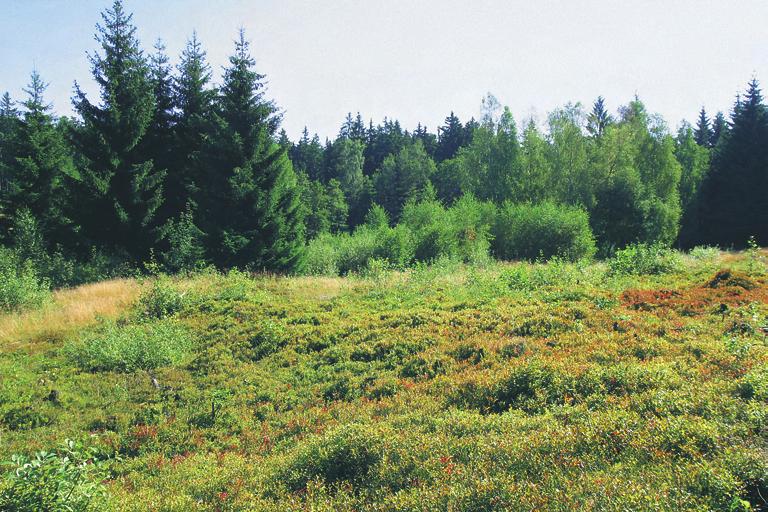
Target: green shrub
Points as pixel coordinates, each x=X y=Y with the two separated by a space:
x=472 y=220
x=525 y=231
x=161 y=300
x=20 y=286
x=432 y=230
x=132 y=347
x=705 y=253
x=345 y=454
x=344 y=253
x=25 y=417
x=356 y=249
x=754 y=385
x=321 y=256
x=185 y=248
x=643 y=258
x=66 y=480
x=270 y=337
x=461 y=232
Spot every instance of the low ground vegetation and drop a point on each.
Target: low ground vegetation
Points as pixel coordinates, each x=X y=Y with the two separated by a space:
x=636 y=383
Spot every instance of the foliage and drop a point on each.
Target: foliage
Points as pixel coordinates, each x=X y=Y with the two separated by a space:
x=20 y=285
x=135 y=347
x=65 y=480
x=732 y=209
x=118 y=190
x=161 y=299
x=645 y=259
x=185 y=249
x=567 y=385
x=248 y=200
x=523 y=231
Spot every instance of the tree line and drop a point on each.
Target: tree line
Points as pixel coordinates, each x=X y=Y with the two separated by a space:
x=165 y=164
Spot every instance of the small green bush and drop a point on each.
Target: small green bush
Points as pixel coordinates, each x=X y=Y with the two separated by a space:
x=321 y=256
x=344 y=253
x=432 y=230
x=25 y=417
x=638 y=259
x=525 y=231
x=131 y=347
x=270 y=337
x=754 y=385
x=161 y=300
x=20 y=285
x=345 y=454
x=66 y=480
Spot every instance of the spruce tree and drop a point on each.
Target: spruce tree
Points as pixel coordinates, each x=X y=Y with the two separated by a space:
x=9 y=125
x=450 y=137
x=403 y=177
x=694 y=163
x=284 y=141
x=703 y=132
x=599 y=119
x=307 y=156
x=386 y=139
x=735 y=195
x=719 y=127
x=428 y=140
x=353 y=128
x=119 y=188
x=248 y=198
x=194 y=100
x=158 y=142
x=43 y=160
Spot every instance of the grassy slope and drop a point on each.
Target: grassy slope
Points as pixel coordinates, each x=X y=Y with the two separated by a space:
x=447 y=388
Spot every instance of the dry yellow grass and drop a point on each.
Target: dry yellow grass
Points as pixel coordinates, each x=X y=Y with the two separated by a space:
x=71 y=309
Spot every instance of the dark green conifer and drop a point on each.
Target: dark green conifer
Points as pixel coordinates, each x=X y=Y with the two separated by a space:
x=703 y=133
x=735 y=194
x=249 y=199
x=119 y=189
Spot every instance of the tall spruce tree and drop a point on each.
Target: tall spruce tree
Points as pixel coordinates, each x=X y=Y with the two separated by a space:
x=385 y=139
x=307 y=156
x=719 y=126
x=248 y=198
x=428 y=140
x=119 y=188
x=9 y=124
x=403 y=177
x=346 y=166
x=158 y=142
x=194 y=100
x=599 y=119
x=694 y=163
x=450 y=137
x=353 y=128
x=735 y=195
x=43 y=159
x=703 y=132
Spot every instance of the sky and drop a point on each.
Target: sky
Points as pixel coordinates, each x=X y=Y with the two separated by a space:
x=417 y=61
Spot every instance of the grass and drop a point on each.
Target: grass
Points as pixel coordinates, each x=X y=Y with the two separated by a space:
x=70 y=311
x=559 y=386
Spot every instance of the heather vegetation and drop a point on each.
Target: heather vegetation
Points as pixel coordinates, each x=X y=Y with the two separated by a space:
x=640 y=383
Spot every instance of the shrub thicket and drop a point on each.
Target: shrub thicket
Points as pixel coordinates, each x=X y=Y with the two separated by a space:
x=20 y=285
x=526 y=231
x=66 y=480
x=131 y=347
x=645 y=259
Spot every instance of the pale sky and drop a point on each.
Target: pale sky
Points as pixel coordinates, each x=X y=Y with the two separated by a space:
x=418 y=60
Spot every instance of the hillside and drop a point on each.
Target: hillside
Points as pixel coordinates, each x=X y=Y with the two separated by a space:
x=558 y=386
